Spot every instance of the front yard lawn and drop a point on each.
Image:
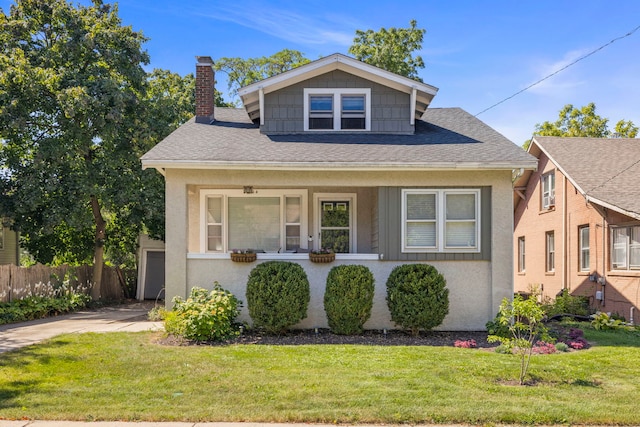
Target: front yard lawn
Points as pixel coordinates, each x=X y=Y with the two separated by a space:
x=125 y=376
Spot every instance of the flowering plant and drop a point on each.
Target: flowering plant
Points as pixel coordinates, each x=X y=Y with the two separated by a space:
x=465 y=344
x=322 y=251
x=242 y=251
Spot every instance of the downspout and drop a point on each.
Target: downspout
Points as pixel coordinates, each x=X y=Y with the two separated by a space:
x=565 y=217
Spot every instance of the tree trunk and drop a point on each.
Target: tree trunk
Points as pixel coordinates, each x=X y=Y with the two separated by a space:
x=98 y=254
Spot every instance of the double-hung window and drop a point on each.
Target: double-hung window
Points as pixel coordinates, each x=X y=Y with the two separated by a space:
x=625 y=253
x=337 y=109
x=264 y=221
x=440 y=220
x=521 y=255
x=550 y=264
x=548 y=190
x=584 y=248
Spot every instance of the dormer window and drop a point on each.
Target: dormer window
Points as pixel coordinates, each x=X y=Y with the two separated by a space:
x=337 y=109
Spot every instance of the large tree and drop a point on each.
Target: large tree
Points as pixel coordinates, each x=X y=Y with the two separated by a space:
x=71 y=88
x=391 y=49
x=583 y=122
x=242 y=72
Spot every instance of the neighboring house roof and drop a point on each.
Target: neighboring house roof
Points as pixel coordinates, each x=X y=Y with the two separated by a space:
x=250 y=95
x=445 y=139
x=606 y=171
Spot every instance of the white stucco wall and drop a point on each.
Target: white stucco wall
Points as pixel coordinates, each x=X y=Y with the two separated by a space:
x=475 y=287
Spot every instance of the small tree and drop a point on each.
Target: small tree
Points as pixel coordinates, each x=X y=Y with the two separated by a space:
x=523 y=318
x=348 y=298
x=417 y=297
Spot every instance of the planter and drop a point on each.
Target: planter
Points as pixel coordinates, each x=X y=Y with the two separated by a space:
x=243 y=257
x=322 y=258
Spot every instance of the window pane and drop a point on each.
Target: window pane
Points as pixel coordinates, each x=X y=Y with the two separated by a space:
x=214 y=237
x=214 y=210
x=352 y=123
x=421 y=206
x=461 y=206
x=338 y=240
x=293 y=210
x=619 y=255
x=293 y=237
x=321 y=123
x=421 y=234
x=321 y=103
x=254 y=223
x=353 y=103
x=460 y=234
x=634 y=248
x=335 y=214
x=584 y=249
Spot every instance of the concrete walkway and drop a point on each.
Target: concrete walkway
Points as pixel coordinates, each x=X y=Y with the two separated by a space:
x=121 y=318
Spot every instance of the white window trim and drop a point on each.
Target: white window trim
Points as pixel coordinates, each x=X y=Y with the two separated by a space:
x=550 y=253
x=337 y=109
x=583 y=247
x=627 y=248
x=440 y=221
x=318 y=198
x=522 y=266
x=549 y=200
x=225 y=194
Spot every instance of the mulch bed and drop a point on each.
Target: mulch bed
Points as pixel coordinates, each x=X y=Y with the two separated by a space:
x=324 y=336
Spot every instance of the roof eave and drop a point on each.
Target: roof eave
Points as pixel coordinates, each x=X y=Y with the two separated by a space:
x=335 y=166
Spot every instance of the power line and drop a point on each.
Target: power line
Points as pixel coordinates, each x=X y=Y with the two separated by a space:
x=561 y=69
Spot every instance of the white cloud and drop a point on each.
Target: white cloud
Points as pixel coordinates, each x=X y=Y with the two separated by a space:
x=286 y=25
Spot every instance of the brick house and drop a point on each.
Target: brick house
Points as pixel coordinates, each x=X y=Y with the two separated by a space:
x=577 y=221
x=338 y=153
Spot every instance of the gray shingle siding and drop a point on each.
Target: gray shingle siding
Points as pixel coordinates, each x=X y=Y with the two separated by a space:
x=284 y=108
x=389 y=241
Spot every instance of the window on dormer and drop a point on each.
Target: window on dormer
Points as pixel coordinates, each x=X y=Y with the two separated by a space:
x=321 y=112
x=337 y=109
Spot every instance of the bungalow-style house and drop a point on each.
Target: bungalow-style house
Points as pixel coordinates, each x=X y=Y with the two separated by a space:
x=341 y=154
x=9 y=244
x=577 y=222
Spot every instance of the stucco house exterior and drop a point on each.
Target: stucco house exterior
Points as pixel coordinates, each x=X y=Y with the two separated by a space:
x=577 y=221
x=338 y=153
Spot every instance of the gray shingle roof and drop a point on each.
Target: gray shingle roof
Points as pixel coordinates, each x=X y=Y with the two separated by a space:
x=605 y=170
x=444 y=138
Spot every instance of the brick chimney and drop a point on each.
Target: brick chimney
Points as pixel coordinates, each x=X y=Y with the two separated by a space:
x=204 y=90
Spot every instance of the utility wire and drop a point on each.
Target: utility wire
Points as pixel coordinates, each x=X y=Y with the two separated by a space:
x=561 y=69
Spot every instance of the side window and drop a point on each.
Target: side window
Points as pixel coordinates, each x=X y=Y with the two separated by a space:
x=521 y=255
x=548 y=190
x=584 y=248
x=550 y=264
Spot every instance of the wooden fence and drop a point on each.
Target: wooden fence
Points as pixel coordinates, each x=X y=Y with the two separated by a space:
x=18 y=282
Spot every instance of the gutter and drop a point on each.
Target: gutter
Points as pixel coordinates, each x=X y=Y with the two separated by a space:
x=160 y=165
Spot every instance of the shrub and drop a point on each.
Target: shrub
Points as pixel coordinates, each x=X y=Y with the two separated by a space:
x=277 y=295
x=562 y=347
x=417 y=297
x=45 y=300
x=348 y=298
x=204 y=316
x=602 y=321
x=565 y=303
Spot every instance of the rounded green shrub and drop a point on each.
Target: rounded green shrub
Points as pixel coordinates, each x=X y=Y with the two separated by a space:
x=348 y=298
x=277 y=295
x=417 y=297
x=204 y=316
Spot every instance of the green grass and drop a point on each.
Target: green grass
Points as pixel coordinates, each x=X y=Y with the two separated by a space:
x=120 y=376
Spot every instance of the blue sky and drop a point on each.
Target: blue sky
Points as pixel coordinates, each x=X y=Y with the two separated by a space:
x=476 y=52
